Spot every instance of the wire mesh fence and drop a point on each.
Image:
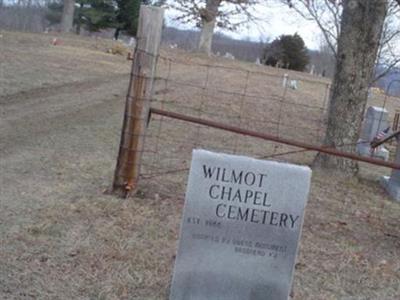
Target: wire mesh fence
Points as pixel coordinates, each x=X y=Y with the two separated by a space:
x=292 y=106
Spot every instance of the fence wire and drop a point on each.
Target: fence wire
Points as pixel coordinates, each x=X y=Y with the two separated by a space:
x=263 y=101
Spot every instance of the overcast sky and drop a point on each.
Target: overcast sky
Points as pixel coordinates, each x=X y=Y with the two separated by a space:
x=273 y=21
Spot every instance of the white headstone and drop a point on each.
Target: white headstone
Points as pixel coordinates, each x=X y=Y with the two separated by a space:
x=240 y=230
x=293 y=84
x=229 y=55
x=132 y=42
x=285 y=80
x=312 y=69
x=392 y=183
x=376 y=120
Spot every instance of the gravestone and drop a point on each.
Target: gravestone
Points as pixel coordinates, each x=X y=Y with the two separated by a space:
x=376 y=120
x=312 y=69
x=392 y=183
x=240 y=230
x=229 y=55
x=293 y=84
x=132 y=42
x=285 y=80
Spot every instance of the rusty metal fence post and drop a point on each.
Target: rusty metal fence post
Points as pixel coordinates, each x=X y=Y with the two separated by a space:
x=137 y=106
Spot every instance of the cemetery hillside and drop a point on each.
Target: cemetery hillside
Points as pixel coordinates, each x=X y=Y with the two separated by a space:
x=65 y=235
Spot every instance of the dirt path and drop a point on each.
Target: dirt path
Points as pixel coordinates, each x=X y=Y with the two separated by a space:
x=49 y=141
x=58 y=122
x=41 y=128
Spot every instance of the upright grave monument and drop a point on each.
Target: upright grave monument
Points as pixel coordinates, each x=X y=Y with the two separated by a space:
x=376 y=120
x=392 y=183
x=240 y=230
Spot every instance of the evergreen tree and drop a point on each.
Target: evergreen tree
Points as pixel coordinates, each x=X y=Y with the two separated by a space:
x=54 y=12
x=289 y=50
x=295 y=53
x=92 y=14
x=127 y=16
x=96 y=14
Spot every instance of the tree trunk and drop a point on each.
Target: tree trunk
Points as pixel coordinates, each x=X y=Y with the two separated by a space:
x=361 y=27
x=79 y=19
x=208 y=20
x=206 y=37
x=67 y=19
x=116 y=33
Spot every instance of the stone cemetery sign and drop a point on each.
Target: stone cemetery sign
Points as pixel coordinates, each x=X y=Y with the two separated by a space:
x=241 y=227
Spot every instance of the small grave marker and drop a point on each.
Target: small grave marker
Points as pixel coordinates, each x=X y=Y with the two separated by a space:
x=285 y=80
x=392 y=183
x=241 y=227
x=376 y=120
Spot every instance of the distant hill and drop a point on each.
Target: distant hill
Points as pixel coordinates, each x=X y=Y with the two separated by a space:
x=241 y=49
x=188 y=40
x=250 y=51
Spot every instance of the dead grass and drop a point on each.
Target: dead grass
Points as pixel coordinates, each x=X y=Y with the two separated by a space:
x=61 y=237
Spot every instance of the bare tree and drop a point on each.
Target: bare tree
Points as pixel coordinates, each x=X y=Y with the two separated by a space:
x=361 y=28
x=327 y=14
x=67 y=19
x=207 y=14
x=323 y=60
x=388 y=54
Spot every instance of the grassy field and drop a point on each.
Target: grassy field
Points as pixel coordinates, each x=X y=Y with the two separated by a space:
x=62 y=237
